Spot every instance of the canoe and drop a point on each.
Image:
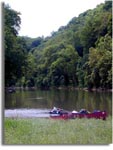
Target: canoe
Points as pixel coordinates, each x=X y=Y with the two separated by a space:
x=57 y=113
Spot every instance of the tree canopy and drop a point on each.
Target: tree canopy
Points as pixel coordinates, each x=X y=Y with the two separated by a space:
x=15 y=47
x=78 y=54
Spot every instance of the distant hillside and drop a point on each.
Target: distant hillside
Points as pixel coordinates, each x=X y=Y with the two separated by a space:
x=78 y=54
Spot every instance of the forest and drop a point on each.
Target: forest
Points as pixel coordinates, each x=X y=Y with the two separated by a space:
x=78 y=54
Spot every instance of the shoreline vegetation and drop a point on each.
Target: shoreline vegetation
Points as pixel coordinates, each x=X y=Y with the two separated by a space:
x=49 y=131
x=12 y=88
x=78 y=54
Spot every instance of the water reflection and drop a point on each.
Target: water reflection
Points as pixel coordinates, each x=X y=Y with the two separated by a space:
x=67 y=99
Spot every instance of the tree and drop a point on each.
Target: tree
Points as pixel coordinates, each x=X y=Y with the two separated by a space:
x=14 y=46
x=63 y=70
x=78 y=54
x=100 y=63
x=29 y=71
x=96 y=26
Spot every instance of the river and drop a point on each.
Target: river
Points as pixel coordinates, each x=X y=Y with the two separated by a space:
x=37 y=103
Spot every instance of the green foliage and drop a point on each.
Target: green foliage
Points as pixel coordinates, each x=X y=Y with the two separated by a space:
x=63 y=70
x=78 y=54
x=19 y=65
x=96 y=25
x=100 y=62
x=28 y=71
x=31 y=43
x=14 y=47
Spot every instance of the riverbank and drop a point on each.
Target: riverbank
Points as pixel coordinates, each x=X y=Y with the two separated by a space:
x=85 y=89
x=49 y=131
x=71 y=88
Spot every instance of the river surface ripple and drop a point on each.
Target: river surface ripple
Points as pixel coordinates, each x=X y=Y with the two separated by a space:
x=27 y=113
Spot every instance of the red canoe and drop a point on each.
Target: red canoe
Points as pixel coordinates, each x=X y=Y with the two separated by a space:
x=82 y=114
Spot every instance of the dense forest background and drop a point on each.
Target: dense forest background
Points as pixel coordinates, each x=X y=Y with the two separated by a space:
x=78 y=54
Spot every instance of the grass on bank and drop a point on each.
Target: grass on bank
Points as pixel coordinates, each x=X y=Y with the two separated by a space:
x=48 y=131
